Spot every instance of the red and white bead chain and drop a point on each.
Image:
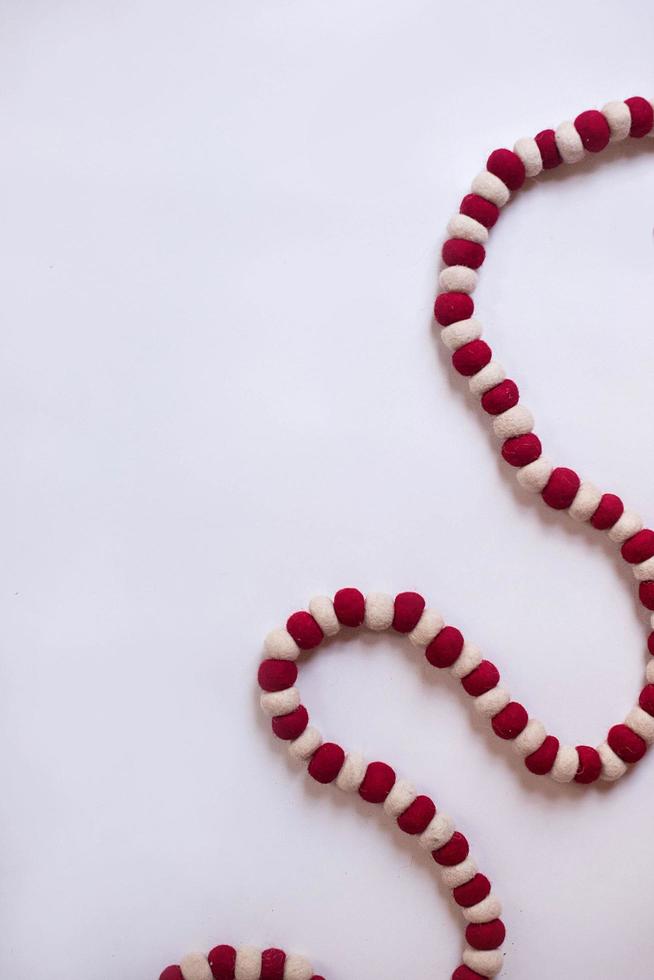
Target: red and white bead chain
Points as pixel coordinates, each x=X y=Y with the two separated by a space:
x=444 y=646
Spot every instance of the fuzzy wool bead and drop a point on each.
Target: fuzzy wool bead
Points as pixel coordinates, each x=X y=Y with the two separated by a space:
x=426 y=629
x=501 y=397
x=457 y=279
x=510 y=721
x=248 y=963
x=377 y=782
x=488 y=377
x=535 y=476
x=304 y=630
x=561 y=488
x=642 y=116
x=409 y=607
x=350 y=607
x=451 y=307
x=540 y=761
x=472 y=357
x=463 y=226
x=493 y=702
x=593 y=129
x=461 y=251
x=568 y=142
x=445 y=648
x=490 y=187
x=626 y=744
x=417 y=817
x=195 y=967
x=277 y=675
x=590 y=765
x=461 y=333
x=508 y=166
x=380 y=610
x=473 y=892
x=468 y=660
x=522 y=450
x=480 y=209
x=482 y=679
x=326 y=762
x=222 y=960
x=609 y=510
x=352 y=772
x=291 y=725
x=321 y=608
x=549 y=151
x=618 y=117
x=303 y=747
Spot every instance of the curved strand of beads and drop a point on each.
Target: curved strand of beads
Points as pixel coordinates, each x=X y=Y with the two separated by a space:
x=444 y=646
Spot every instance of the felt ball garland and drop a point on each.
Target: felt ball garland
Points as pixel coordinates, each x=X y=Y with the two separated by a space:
x=444 y=646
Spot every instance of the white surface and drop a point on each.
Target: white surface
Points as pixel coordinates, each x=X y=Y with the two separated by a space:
x=221 y=394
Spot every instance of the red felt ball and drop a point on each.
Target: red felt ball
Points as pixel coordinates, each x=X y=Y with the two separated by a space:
x=521 y=450
x=172 y=973
x=508 y=166
x=486 y=935
x=350 y=607
x=417 y=817
x=460 y=251
x=626 y=744
x=639 y=547
x=642 y=116
x=549 y=151
x=483 y=211
x=452 y=307
x=646 y=594
x=561 y=488
x=377 y=782
x=445 y=648
x=409 y=607
x=646 y=699
x=277 y=675
x=510 y=721
x=593 y=130
x=590 y=764
x=222 y=961
x=472 y=357
x=483 y=678
x=541 y=761
x=464 y=972
x=272 y=964
x=500 y=398
x=609 y=510
x=326 y=762
x=472 y=892
x=454 y=852
x=291 y=726
x=304 y=630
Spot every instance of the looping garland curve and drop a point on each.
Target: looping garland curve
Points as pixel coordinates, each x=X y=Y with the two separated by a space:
x=444 y=646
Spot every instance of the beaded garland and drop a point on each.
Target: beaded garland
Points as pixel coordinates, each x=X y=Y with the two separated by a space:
x=443 y=645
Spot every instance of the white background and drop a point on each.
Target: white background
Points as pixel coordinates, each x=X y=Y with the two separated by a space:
x=221 y=393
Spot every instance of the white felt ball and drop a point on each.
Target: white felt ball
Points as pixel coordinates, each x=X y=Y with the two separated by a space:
x=585 y=503
x=195 y=966
x=534 y=476
x=644 y=571
x=321 y=608
x=486 y=962
x=277 y=703
x=568 y=143
x=492 y=702
x=527 y=149
x=380 y=610
x=649 y=671
x=628 y=524
x=491 y=188
x=297 y=968
x=459 y=874
x=280 y=645
x=469 y=658
x=352 y=773
x=487 y=378
x=248 y=963
x=462 y=226
x=438 y=832
x=641 y=723
x=565 y=765
x=618 y=117
x=306 y=744
x=485 y=911
x=530 y=738
x=400 y=798
x=612 y=766
x=460 y=333
x=516 y=421
x=457 y=279
x=429 y=625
